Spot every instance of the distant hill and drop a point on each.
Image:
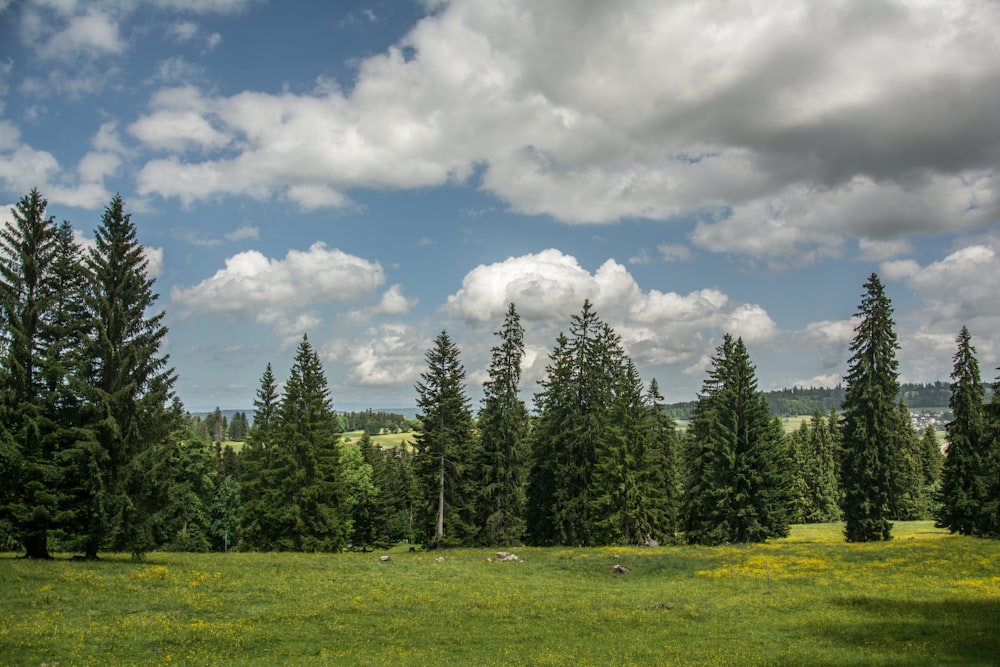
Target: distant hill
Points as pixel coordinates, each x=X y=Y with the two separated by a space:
x=805 y=400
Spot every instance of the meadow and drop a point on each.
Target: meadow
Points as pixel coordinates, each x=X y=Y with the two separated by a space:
x=924 y=598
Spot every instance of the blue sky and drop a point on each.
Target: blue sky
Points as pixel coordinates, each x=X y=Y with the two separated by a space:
x=372 y=173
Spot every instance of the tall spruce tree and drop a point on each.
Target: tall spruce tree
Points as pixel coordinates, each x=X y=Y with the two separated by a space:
x=574 y=424
x=259 y=488
x=662 y=466
x=628 y=486
x=965 y=479
x=871 y=420
x=739 y=463
x=29 y=250
x=313 y=514
x=503 y=429
x=444 y=460
x=129 y=385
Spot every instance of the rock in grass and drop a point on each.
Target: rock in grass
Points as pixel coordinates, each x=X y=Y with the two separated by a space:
x=620 y=569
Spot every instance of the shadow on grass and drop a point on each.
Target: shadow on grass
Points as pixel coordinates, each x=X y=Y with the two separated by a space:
x=953 y=631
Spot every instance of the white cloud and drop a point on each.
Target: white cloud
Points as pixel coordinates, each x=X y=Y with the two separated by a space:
x=385 y=356
x=243 y=233
x=659 y=328
x=394 y=302
x=899 y=269
x=770 y=125
x=92 y=33
x=674 y=252
x=278 y=290
x=183 y=31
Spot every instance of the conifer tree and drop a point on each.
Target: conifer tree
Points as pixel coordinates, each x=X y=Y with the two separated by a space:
x=965 y=478
x=662 y=466
x=259 y=488
x=444 y=461
x=503 y=428
x=909 y=500
x=871 y=420
x=313 y=514
x=627 y=507
x=29 y=250
x=819 y=474
x=739 y=486
x=574 y=425
x=129 y=384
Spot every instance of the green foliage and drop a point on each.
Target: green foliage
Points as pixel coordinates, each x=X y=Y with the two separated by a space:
x=445 y=454
x=872 y=430
x=966 y=476
x=740 y=465
x=817 y=455
x=503 y=430
x=574 y=425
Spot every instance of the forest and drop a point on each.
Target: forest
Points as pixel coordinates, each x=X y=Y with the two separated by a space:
x=97 y=453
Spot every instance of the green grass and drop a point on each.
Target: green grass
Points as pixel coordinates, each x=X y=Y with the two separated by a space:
x=387 y=440
x=924 y=598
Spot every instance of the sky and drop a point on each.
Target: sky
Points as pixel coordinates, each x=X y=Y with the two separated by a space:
x=370 y=174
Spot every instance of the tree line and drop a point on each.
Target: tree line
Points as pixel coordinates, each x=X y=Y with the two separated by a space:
x=97 y=453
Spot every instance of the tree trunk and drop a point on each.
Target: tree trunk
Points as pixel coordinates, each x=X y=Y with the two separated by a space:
x=36 y=545
x=91 y=550
x=440 y=517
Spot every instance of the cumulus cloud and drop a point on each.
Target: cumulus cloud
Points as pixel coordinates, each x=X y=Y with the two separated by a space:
x=274 y=290
x=771 y=126
x=657 y=327
x=92 y=33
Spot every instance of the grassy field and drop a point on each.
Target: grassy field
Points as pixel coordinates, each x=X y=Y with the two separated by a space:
x=924 y=598
x=388 y=440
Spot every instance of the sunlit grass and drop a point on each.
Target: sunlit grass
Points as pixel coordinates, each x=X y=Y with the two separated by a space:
x=924 y=598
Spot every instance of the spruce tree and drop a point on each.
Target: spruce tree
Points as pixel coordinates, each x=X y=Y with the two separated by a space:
x=574 y=425
x=871 y=420
x=444 y=459
x=313 y=515
x=259 y=488
x=662 y=466
x=965 y=478
x=819 y=474
x=909 y=500
x=740 y=465
x=503 y=428
x=29 y=250
x=628 y=492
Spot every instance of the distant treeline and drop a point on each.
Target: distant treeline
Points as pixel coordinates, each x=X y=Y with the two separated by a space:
x=806 y=400
x=373 y=421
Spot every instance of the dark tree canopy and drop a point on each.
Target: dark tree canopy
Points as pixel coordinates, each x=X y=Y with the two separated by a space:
x=871 y=420
x=444 y=460
x=739 y=481
x=965 y=478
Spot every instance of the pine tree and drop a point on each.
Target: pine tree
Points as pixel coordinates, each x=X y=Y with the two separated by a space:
x=965 y=477
x=503 y=428
x=931 y=462
x=445 y=451
x=909 y=495
x=739 y=486
x=627 y=506
x=662 y=466
x=992 y=505
x=871 y=428
x=129 y=384
x=574 y=424
x=819 y=474
x=29 y=249
x=313 y=513
x=259 y=488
